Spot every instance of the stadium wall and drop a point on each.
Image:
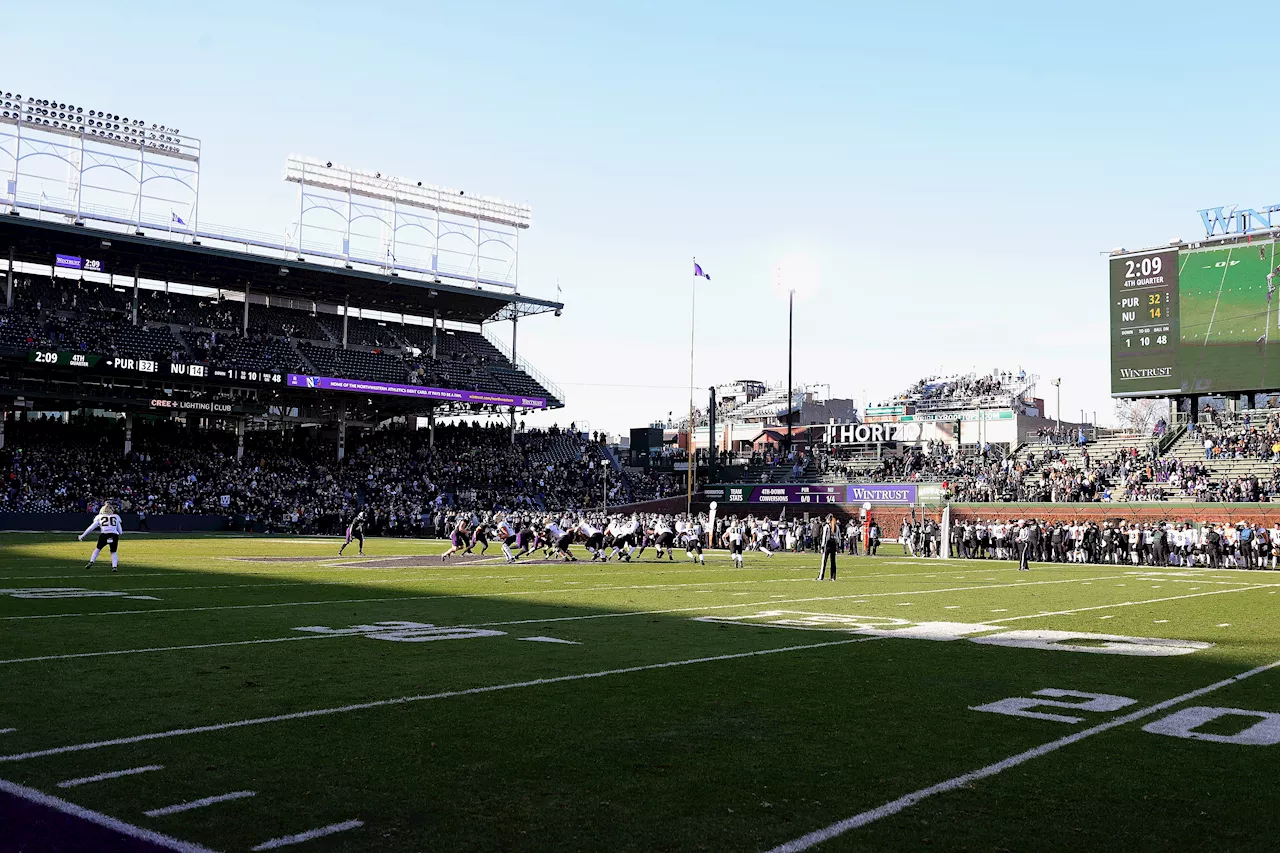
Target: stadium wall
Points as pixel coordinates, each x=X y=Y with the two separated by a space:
x=76 y=522
x=890 y=518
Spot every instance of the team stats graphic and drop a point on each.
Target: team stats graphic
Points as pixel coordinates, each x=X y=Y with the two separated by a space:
x=1195 y=321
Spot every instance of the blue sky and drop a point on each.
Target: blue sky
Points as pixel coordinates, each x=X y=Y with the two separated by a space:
x=947 y=175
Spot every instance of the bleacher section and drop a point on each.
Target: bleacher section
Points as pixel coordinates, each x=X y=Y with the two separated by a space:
x=1189 y=449
x=771 y=405
x=90 y=317
x=1103 y=448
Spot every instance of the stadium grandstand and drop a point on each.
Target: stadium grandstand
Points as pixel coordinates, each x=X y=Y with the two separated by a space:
x=379 y=308
x=284 y=566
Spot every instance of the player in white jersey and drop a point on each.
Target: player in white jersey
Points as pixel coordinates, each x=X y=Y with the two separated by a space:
x=109 y=528
x=508 y=534
x=664 y=538
x=693 y=542
x=736 y=534
x=763 y=534
x=624 y=538
x=561 y=539
x=594 y=538
x=1077 y=542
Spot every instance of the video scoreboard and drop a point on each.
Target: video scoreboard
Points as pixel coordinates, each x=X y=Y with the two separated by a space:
x=1195 y=319
x=1144 y=323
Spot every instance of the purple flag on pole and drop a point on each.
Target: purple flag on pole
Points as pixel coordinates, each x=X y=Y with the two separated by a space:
x=697 y=270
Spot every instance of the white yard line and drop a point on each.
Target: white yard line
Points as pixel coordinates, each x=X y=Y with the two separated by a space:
x=287 y=840
x=114 y=774
x=542 y=591
x=7 y=731
x=774 y=600
x=200 y=803
x=1132 y=603
x=895 y=806
x=31 y=795
x=403 y=700
x=726 y=566
x=155 y=649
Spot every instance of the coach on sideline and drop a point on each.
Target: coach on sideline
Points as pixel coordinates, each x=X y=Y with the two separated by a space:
x=829 y=543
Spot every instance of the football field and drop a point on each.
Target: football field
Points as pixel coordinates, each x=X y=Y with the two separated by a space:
x=1229 y=332
x=242 y=694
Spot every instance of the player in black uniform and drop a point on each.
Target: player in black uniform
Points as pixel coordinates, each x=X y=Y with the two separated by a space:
x=355 y=530
x=480 y=534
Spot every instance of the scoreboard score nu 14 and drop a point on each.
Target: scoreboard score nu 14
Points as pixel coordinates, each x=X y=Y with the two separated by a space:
x=1195 y=320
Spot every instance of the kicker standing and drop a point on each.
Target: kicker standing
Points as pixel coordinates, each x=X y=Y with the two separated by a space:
x=109 y=529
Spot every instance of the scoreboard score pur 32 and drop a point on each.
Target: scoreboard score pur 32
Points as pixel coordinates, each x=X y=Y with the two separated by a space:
x=1144 y=323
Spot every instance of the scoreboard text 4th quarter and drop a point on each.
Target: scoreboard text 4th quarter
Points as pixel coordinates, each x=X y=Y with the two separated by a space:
x=1143 y=309
x=1145 y=304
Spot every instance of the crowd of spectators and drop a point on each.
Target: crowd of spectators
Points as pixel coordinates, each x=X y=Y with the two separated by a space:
x=959 y=388
x=288 y=481
x=1247 y=438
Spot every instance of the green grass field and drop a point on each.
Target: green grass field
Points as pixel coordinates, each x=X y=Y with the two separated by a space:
x=644 y=706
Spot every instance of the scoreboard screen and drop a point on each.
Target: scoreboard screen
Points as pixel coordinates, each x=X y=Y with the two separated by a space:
x=1195 y=320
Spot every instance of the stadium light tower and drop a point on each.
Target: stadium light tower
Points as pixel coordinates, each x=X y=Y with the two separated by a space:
x=791 y=310
x=1057 y=383
x=797 y=273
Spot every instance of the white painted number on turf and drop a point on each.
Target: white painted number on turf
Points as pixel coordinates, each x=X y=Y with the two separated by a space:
x=1257 y=728
x=1264 y=732
x=1020 y=706
x=404 y=632
x=70 y=592
x=1098 y=644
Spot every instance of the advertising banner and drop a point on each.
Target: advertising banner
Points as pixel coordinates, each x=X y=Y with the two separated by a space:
x=394 y=389
x=821 y=493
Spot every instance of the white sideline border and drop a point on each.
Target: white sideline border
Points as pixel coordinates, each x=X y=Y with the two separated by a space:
x=904 y=802
x=31 y=795
x=404 y=700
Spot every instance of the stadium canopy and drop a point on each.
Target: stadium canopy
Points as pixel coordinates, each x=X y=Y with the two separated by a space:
x=39 y=241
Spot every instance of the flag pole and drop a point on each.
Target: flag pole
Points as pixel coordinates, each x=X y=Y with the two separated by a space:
x=693 y=290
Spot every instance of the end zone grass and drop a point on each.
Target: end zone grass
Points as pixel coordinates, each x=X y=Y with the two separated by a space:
x=373 y=704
